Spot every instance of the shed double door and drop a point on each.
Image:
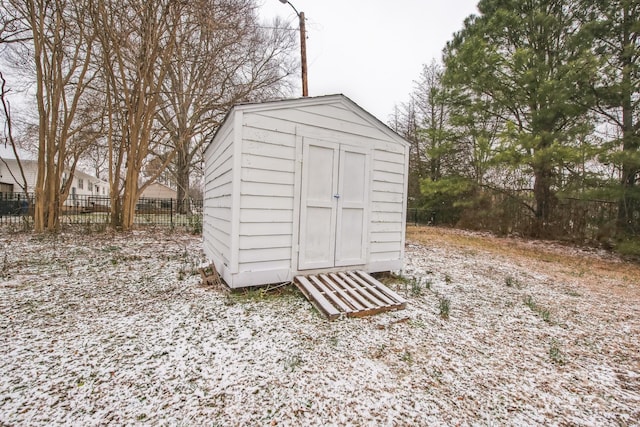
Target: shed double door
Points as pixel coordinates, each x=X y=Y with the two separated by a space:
x=333 y=205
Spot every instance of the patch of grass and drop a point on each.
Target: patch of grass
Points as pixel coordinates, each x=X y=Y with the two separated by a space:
x=437 y=374
x=448 y=279
x=293 y=362
x=555 y=353
x=389 y=278
x=629 y=248
x=409 y=285
x=194 y=224
x=188 y=264
x=89 y=227
x=406 y=357
x=379 y=351
x=4 y=272
x=416 y=287
x=512 y=282
x=444 y=306
x=543 y=312
x=27 y=224
x=519 y=249
x=250 y=294
x=264 y=293
x=573 y=293
x=529 y=302
x=417 y=323
x=399 y=282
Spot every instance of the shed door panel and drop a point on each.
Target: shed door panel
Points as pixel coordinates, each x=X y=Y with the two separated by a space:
x=353 y=188
x=318 y=208
x=333 y=215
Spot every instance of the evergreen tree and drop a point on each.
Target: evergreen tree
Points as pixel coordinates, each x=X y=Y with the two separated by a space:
x=443 y=180
x=525 y=60
x=614 y=26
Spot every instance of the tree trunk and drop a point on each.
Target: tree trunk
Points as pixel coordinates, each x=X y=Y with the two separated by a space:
x=130 y=194
x=182 y=178
x=129 y=200
x=116 y=210
x=61 y=54
x=543 y=200
x=51 y=190
x=543 y=179
x=628 y=203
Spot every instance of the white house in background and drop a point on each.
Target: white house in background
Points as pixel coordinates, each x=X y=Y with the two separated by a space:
x=159 y=191
x=303 y=186
x=83 y=184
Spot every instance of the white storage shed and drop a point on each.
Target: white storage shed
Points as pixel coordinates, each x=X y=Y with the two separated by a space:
x=303 y=186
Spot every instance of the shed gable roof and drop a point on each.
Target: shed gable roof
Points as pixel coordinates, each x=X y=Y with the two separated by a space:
x=340 y=99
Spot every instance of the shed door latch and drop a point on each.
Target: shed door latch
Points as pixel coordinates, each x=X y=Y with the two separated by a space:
x=337 y=196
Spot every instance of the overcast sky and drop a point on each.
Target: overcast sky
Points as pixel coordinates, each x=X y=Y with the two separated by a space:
x=372 y=50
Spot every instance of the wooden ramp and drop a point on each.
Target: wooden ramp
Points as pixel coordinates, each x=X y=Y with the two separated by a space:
x=353 y=294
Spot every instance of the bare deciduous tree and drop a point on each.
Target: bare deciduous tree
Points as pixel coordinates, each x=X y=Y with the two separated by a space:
x=13 y=28
x=137 y=43
x=12 y=31
x=61 y=43
x=222 y=57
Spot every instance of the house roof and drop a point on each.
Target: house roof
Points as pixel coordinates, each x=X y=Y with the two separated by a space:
x=158 y=184
x=313 y=100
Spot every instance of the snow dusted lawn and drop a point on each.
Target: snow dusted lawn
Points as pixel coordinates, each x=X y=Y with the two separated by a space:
x=115 y=329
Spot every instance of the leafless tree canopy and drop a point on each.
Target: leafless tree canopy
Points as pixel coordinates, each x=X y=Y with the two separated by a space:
x=59 y=42
x=222 y=57
x=128 y=82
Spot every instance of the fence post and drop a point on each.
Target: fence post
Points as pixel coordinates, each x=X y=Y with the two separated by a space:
x=171 y=211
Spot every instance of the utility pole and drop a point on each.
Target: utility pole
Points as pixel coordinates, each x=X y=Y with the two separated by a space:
x=303 y=48
x=303 y=54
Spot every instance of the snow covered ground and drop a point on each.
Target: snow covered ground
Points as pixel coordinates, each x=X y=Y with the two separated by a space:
x=115 y=329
